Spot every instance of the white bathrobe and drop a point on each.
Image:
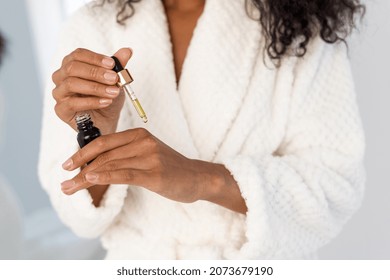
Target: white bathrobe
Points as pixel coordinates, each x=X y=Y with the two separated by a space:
x=291 y=137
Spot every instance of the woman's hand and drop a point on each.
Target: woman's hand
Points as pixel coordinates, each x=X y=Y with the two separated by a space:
x=85 y=82
x=136 y=157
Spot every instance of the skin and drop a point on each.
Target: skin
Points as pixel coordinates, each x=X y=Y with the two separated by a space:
x=182 y=17
x=85 y=82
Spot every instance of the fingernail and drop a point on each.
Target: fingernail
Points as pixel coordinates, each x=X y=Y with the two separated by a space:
x=91 y=177
x=110 y=76
x=66 y=185
x=105 y=101
x=67 y=164
x=113 y=91
x=109 y=62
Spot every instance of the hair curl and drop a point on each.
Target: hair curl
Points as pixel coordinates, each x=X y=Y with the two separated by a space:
x=289 y=25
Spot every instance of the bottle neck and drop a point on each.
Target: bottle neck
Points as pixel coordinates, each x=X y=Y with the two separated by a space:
x=84 y=126
x=84 y=122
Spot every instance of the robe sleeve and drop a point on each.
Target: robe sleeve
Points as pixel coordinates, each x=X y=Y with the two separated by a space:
x=58 y=142
x=300 y=196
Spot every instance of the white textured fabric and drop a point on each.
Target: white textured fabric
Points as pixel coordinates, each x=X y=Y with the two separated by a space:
x=290 y=136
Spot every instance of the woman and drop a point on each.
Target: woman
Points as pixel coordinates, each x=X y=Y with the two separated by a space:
x=254 y=144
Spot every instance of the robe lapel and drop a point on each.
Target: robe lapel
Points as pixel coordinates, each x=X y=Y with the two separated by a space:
x=217 y=72
x=195 y=117
x=153 y=71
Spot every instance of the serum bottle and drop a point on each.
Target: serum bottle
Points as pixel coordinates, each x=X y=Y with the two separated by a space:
x=87 y=132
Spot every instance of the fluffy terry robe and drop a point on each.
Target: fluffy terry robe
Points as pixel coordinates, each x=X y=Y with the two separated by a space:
x=290 y=136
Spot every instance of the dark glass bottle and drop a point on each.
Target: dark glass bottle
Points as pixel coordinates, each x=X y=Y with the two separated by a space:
x=87 y=132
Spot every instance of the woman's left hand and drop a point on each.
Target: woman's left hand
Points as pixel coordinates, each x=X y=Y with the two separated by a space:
x=136 y=157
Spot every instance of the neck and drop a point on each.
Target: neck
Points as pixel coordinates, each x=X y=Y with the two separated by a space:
x=183 y=5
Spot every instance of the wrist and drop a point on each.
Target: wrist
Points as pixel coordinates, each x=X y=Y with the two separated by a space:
x=213 y=182
x=217 y=185
x=97 y=193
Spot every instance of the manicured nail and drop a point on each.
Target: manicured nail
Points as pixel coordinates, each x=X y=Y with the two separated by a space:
x=108 y=62
x=91 y=177
x=66 y=185
x=67 y=164
x=110 y=76
x=113 y=91
x=105 y=101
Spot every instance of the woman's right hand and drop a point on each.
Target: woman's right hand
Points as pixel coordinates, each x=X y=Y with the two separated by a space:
x=85 y=82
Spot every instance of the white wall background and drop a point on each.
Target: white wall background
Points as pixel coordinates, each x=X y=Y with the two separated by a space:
x=366 y=236
x=21 y=108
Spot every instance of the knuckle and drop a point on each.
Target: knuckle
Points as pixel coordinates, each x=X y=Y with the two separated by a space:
x=77 y=54
x=62 y=108
x=95 y=88
x=102 y=159
x=112 y=165
x=151 y=142
x=66 y=59
x=128 y=175
x=54 y=76
x=105 y=176
x=94 y=72
x=100 y=142
x=68 y=105
x=57 y=110
x=68 y=84
x=141 y=132
x=68 y=68
x=54 y=93
x=83 y=179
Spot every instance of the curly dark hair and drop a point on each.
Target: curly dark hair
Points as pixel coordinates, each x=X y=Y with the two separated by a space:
x=2 y=47
x=288 y=23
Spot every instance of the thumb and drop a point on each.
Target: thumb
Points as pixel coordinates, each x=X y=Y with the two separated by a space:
x=124 y=55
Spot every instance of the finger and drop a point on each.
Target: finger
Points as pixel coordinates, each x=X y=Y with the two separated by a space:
x=135 y=163
x=124 y=55
x=121 y=176
x=72 y=85
x=135 y=155
x=75 y=184
x=65 y=110
x=89 y=57
x=87 y=72
x=99 y=146
x=85 y=56
x=78 y=182
x=85 y=179
x=56 y=77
